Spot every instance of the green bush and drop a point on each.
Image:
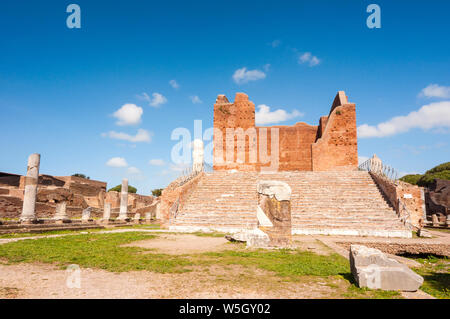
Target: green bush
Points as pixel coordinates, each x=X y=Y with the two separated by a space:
x=118 y=188
x=81 y=175
x=441 y=171
x=157 y=192
x=411 y=178
x=440 y=168
x=428 y=179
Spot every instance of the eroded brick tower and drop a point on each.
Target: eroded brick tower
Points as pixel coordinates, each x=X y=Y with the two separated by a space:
x=240 y=144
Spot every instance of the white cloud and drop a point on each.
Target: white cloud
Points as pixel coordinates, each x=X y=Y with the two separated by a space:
x=275 y=43
x=156 y=162
x=243 y=75
x=156 y=100
x=134 y=170
x=435 y=90
x=117 y=162
x=128 y=114
x=434 y=115
x=265 y=116
x=308 y=58
x=141 y=136
x=174 y=84
x=195 y=99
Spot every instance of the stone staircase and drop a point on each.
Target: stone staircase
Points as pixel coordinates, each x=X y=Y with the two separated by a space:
x=330 y=203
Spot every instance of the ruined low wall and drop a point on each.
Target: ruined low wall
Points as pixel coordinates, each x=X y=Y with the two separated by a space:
x=410 y=195
x=79 y=193
x=337 y=148
x=332 y=145
x=173 y=192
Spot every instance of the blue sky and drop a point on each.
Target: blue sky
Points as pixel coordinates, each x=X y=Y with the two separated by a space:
x=60 y=87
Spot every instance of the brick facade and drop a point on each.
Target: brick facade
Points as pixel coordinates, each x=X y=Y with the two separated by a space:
x=332 y=145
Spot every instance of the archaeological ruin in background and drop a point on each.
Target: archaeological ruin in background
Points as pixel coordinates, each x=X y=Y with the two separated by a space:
x=240 y=144
x=267 y=183
x=329 y=193
x=35 y=198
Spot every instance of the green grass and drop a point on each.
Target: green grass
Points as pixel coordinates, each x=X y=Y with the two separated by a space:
x=212 y=234
x=436 y=274
x=286 y=263
x=75 y=232
x=52 y=232
x=444 y=230
x=93 y=250
x=105 y=251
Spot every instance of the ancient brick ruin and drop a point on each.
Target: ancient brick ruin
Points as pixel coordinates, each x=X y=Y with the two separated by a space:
x=331 y=145
x=78 y=194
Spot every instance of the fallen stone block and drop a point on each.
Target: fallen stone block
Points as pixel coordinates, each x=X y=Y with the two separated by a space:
x=371 y=268
x=253 y=238
x=423 y=233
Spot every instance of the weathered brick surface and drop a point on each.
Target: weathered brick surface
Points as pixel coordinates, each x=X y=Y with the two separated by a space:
x=332 y=145
x=79 y=193
x=279 y=213
x=173 y=192
x=403 y=191
x=404 y=248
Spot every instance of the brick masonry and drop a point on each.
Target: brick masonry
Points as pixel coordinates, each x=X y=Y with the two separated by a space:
x=410 y=195
x=331 y=145
x=79 y=193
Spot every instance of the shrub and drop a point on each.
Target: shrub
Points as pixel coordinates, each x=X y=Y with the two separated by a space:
x=411 y=178
x=157 y=192
x=441 y=171
x=81 y=175
x=118 y=188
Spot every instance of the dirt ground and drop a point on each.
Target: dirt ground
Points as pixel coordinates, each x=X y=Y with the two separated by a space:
x=47 y=281
x=182 y=244
x=231 y=281
x=216 y=281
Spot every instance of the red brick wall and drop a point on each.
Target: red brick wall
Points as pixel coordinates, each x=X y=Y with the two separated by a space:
x=395 y=191
x=172 y=192
x=337 y=148
x=331 y=145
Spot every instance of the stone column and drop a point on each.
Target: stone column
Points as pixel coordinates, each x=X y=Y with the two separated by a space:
x=376 y=164
x=31 y=182
x=86 y=215
x=274 y=212
x=124 y=200
x=61 y=214
x=197 y=156
x=106 y=212
x=137 y=218
x=148 y=218
x=435 y=220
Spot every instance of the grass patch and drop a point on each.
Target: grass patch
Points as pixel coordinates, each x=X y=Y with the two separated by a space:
x=436 y=274
x=213 y=234
x=444 y=230
x=52 y=232
x=284 y=262
x=106 y=251
x=95 y=251
x=353 y=292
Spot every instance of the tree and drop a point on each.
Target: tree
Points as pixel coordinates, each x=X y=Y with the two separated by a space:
x=118 y=188
x=157 y=192
x=81 y=175
x=441 y=171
